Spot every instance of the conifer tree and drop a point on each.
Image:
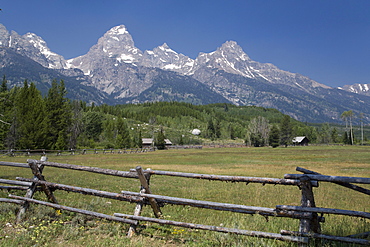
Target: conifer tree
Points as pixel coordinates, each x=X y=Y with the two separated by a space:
x=5 y=112
x=211 y=130
x=123 y=139
x=4 y=87
x=59 y=115
x=274 y=136
x=93 y=124
x=334 y=135
x=159 y=141
x=346 y=139
x=139 y=140
x=30 y=118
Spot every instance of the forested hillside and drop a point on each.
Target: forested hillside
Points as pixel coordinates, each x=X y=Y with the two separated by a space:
x=30 y=120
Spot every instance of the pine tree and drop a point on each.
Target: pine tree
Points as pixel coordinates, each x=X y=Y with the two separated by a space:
x=159 y=141
x=30 y=122
x=139 y=140
x=93 y=124
x=4 y=87
x=274 y=137
x=325 y=133
x=123 y=139
x=346 y=139
x=5 y=112
x=211 y=130
x=59 y=114
x=334 y=135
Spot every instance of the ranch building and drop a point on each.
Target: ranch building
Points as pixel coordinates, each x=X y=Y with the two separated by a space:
x=148 y=142
x=300 y=141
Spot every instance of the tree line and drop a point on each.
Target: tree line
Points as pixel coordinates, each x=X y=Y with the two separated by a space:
x=30 y=120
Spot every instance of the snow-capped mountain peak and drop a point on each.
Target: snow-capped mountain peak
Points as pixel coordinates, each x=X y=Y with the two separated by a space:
x=116 y=46
x=232 y=48
x=230 y=57
x=164 y=57
x=32 y=46
x=357 y=88
x=118 y=43
x=55 y=61
x=118 y=30
x=166 y=48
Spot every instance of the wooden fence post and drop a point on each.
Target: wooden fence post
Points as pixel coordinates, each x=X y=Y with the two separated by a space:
x=37 y=172
x=144 y=180
x=312 y=224
x=137 y=212
x=145 y=185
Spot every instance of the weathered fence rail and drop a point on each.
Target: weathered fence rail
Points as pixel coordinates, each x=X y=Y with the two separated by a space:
x=307 y=213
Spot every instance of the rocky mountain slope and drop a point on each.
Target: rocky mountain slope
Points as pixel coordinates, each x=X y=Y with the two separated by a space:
x=357 y=88
x=115 y=71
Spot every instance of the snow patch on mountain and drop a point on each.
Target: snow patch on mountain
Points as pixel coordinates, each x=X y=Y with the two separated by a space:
x=165 y=58
x=357 y=88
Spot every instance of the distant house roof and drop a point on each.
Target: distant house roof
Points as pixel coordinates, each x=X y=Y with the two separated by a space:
x=299 y=139
x=149 y=141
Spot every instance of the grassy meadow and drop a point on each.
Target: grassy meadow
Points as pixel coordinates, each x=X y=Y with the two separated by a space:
x=45 y=227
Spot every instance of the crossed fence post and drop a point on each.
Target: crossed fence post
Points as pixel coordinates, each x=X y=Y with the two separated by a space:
x=37 y=172
x=144 y=180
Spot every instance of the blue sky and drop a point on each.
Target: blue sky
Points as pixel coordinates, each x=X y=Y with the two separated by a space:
x=326 y=40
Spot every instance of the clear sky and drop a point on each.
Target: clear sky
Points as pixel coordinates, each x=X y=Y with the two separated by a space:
x=326 y=40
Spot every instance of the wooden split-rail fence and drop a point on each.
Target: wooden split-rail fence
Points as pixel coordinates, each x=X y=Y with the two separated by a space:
x=38 y=152
x=307 y=213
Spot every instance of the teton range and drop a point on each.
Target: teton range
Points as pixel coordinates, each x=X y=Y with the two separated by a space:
x=114 y=71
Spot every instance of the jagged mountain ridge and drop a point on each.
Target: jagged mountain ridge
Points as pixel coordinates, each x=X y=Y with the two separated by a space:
x=18 y=68
x=125 y=74
x=117 y=46
x=357 y=88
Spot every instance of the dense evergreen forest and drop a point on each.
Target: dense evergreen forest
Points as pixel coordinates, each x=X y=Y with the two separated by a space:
x=30 y=120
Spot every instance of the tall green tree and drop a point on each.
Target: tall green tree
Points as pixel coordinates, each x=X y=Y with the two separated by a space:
x=93 y=124
x=274 y=137
x=123 y=139
x=4 y=86
x=5 y=112
x=29 y=121
x=59 y=115
x=325 y=136
x=159 y=140
x=139 y=140
x=211 y=130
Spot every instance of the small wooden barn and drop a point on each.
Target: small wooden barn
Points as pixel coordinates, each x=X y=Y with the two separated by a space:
x=148 y=142
x=300 y=141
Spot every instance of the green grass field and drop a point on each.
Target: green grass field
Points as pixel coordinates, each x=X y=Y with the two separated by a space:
x=45 y=227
